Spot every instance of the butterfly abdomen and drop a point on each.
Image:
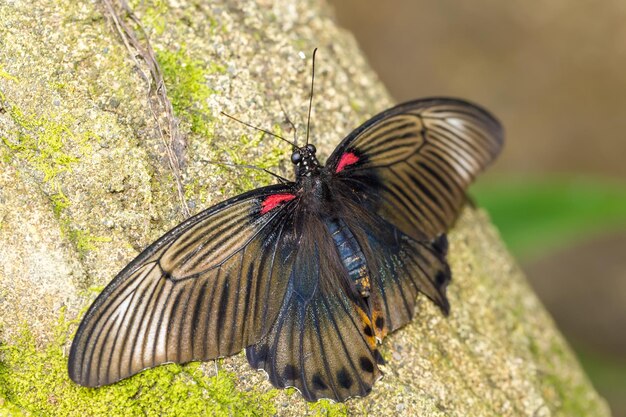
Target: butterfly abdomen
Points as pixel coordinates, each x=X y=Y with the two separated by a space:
x=351 y=255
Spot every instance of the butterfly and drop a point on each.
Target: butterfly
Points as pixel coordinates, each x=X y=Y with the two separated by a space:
x=308 y=276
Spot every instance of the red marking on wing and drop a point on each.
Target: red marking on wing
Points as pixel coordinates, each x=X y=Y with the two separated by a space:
x=347 y=158
x=274 y=200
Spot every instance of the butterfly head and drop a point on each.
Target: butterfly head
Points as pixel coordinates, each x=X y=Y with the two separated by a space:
x=305 y=161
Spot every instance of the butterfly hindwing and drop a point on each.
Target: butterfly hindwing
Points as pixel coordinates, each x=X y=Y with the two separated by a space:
x=400 y=270
x=206 y=289
x=398 y=266
x=324 y=340
x=413 y=163
x=318 y=343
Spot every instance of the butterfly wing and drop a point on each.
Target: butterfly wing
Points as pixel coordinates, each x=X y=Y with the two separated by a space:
x=324 y=339
x=407 y=170
x=398 y=268
x=317 y=343
x=413 y=163
x=206 y=289
x=396 y=185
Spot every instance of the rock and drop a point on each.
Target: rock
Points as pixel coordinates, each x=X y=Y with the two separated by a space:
x=86 y=182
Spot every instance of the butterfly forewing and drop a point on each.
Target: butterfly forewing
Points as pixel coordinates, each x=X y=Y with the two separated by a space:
x=413 y=163
x=206 y=289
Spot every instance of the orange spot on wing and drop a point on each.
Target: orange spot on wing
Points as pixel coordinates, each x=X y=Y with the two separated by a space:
x=378 y=321
x=367 y=329
x=379 y=325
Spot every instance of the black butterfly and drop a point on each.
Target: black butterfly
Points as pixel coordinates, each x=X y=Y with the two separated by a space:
x=306 y=275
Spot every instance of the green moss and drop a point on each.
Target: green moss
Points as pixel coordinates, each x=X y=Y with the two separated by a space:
x=84 y=240
x=567 y=398
x=5 y=75
x=565 y=395
x=57 y=85
x=9 y=410
x=187 y=88
x=59 y=202
x=45 y=143
x=192 y=189
x=49 y=146
x=41 y=142
x=34 y=381
x=355 y=106
x=196 y=192
x=154 y=16
x=327 y=408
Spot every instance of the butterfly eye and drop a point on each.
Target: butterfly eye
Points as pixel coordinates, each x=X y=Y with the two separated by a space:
x=296 y=157
x=311 y=148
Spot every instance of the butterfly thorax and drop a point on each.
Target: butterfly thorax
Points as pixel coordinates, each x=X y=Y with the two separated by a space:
x=306 y=162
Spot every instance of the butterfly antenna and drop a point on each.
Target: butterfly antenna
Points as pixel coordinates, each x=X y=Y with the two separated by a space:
x=259 y=129
x=308 y=121
x=231 y=165
x=293 y=126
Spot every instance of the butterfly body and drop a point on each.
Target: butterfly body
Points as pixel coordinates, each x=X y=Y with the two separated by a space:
x=308 y=276
x=351 y=255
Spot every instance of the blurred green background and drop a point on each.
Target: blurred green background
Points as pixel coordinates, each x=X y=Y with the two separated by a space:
x=554 y=73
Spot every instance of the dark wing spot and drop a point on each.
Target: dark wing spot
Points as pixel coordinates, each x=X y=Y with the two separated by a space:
x=378 y=357
x=345 y=380
x=368 y=331
x=366 y=364
x=290 y=372
x=380 y=323
x=319 y=383
x=440 y=244
x=441 y=278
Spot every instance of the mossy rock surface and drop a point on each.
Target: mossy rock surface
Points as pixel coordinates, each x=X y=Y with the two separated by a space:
x=85 y=184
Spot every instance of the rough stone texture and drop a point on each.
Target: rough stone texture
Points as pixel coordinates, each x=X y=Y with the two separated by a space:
x=84 y=185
